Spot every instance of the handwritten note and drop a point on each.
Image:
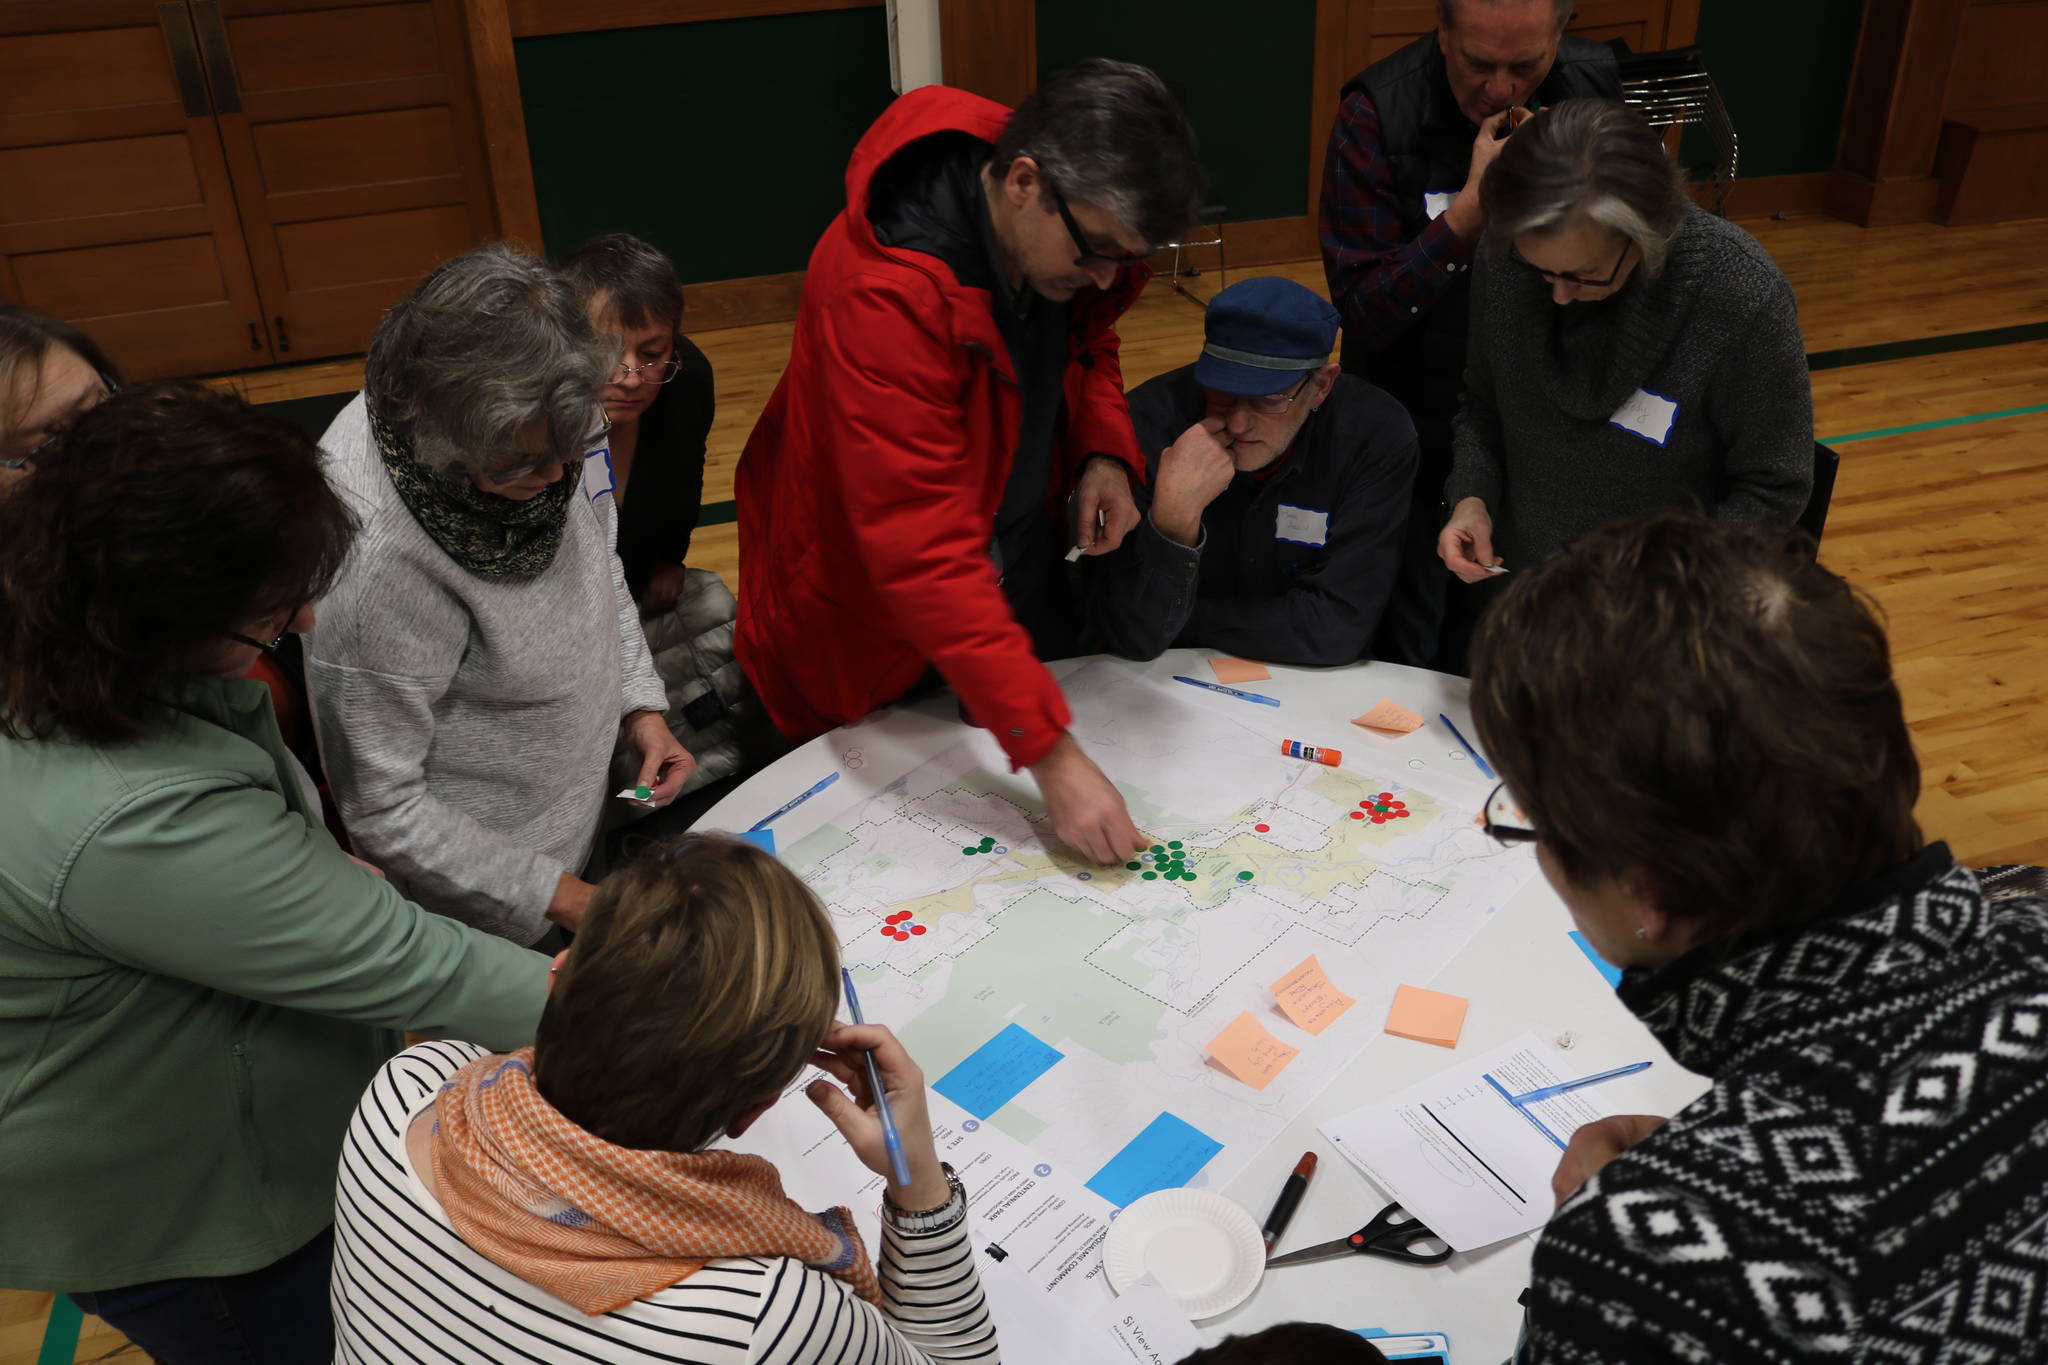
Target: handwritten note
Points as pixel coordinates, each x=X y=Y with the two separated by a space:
x=1427 y=1016
x=1229 y=670
x=1389 y=717
x=1251 y=1054
x=1306 y=996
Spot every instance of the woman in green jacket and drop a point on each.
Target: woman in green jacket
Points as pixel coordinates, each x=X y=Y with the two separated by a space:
x=196 y=983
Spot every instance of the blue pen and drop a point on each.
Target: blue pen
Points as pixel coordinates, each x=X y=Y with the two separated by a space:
x=891 y=1139
x=1227 y=691
x=1484 y=766
x=1548 y=1092
x=786 y=807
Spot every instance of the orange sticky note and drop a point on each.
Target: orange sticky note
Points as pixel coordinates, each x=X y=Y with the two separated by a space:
x=1427 y=1016
x=1306 y=996
x=1229 y=670
x=1250 y=1053
x=1389 y=718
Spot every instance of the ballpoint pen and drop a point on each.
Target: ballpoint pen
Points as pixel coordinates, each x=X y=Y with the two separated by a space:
x=899 y=1169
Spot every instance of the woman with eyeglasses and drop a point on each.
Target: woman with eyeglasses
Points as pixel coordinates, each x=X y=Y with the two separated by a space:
x=50 y=373
x=479 y=657
x=660 y=401
x=1702 y=732
x=1629 y=352
x=195 y=981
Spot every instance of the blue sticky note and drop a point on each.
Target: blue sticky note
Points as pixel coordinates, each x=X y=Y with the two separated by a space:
x=1607 y=969
x=1166 y=1155
x=994 y=1073
x=760 y=838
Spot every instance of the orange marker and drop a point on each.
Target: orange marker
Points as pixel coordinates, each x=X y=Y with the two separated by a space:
x=1294 y=748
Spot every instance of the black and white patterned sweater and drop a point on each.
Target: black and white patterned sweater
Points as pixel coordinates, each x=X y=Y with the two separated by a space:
x=1868 y=1178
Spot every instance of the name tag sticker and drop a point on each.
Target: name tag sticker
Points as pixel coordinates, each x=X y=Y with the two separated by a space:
x=1648 y=415
x=597 y=472
x=1301 y=525
x=1434 y=202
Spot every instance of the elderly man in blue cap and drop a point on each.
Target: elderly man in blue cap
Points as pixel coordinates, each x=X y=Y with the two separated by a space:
x=1279 y=494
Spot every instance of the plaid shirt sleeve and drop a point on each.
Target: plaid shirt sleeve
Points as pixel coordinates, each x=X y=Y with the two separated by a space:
x=1380 y=281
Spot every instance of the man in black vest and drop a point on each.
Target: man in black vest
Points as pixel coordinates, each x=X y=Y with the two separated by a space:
x=1401 y=214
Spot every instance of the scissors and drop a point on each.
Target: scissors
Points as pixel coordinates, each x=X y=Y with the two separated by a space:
x=1393 y=1233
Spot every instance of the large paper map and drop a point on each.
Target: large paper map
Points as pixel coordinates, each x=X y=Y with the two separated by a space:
x=1068 y=1006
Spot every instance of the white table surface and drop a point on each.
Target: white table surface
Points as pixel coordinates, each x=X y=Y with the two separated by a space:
x=1521 y=972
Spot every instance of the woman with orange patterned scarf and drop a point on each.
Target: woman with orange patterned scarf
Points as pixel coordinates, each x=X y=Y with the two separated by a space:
x=560 y=1202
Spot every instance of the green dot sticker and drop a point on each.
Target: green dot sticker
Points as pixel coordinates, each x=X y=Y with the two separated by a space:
x=1159 y=848
x=1244 y=876
x=1132 y=867
x=1151 y=876
x=643 y=793
x=970 y=851
x=1174 y=844
x=987 y=844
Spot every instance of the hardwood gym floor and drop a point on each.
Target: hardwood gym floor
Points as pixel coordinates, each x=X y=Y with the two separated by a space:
x=1940 y=511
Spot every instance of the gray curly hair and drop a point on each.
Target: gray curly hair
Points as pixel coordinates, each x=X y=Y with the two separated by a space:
x=488 y=342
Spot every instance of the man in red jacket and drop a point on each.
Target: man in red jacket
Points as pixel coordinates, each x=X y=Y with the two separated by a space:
x=953 y=418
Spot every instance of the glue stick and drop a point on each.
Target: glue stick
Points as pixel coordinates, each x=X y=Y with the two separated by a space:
x=1294 y=748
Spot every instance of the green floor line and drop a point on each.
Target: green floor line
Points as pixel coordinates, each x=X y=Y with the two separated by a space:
x=60 y=1333
x=718 y=513
x=1930 y=426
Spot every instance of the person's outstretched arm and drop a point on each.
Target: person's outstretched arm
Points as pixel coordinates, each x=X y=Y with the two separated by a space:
x=266 y=906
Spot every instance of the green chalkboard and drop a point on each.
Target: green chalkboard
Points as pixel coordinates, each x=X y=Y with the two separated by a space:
x=1245 y=73
x=724 y=143
x=1783 y=70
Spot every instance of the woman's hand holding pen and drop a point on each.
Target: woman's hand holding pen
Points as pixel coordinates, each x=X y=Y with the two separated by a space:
x=839 y=1056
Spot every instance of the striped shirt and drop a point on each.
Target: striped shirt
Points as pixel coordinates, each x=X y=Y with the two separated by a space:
x=408 y=1289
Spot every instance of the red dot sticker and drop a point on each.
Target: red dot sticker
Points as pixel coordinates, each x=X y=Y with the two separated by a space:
x=1386 y=796
x=1263 y=829
x=1379 y=819
x=1402 y=813
x=1358 y=815
x=917 y=928
x=899 y=917
x=887 y=932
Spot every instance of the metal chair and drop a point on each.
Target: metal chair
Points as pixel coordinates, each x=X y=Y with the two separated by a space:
x=1674 y=89
x=1213 y=214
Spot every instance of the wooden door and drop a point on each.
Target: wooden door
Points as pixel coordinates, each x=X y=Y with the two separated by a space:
x=115 y=207
x=351 y=137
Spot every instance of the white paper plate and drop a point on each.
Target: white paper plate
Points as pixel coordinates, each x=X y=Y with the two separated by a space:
x=1204 y=1250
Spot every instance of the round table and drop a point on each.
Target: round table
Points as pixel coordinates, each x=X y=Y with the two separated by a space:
x=1521 y=972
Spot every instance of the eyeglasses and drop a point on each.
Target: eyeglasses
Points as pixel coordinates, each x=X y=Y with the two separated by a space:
x=108 y=388
x=273 y=646
x=1566 y=277
x=1265 y=404
x=516 y=472
x=1089 y=255
x=1501 y=818
x=661 y=371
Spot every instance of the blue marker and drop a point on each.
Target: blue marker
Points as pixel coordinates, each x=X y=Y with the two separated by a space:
x=1484 y=766
x=791 y=804
x=1227 y=691
x=899 y=1169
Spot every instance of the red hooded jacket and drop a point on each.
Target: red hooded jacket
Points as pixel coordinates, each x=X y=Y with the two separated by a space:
x=869 y=489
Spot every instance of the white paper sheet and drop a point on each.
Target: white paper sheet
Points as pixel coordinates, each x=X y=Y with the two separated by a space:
x=1471 y=1166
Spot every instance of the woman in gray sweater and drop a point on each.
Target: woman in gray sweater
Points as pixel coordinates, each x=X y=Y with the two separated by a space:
x=479 y=656
x=1629 y=352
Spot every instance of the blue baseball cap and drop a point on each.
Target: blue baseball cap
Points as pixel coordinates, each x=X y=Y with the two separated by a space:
x=1264 y=334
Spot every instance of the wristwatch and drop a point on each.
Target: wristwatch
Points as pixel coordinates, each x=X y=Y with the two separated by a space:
x=932 y=1219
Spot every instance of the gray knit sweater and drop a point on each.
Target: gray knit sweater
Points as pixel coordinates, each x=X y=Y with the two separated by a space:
x=467 y=724
x=1715 y=332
